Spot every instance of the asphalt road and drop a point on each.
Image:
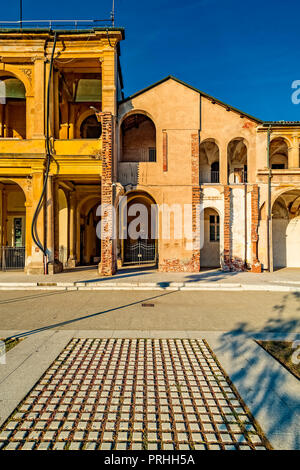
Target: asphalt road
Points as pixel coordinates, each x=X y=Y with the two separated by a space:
x=123 y=310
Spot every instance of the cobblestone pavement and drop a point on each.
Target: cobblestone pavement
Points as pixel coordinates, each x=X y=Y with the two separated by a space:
x=133 y=394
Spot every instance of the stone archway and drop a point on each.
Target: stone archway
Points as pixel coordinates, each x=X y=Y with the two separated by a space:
x=12 y=225
x=139 y=242
x=210 y=251
x=286 y=230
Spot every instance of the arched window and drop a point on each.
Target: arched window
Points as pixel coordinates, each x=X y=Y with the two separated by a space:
x=138 y=139
x=209 y=162
x=90 y=128
x=237 y=161
x=12 y=108
x=279 y=154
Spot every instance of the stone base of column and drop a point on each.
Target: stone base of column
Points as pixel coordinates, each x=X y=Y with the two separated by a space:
x=71 y=263
x=176 y=265
x=55 y=267
x=106 y=270
x=119 y=263
x=256 y=267
x=34 y=268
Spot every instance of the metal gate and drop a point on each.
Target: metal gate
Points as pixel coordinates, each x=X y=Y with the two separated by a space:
x=140 y=252
x=12 y=258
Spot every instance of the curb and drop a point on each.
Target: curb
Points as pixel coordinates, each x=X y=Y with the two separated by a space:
x=144 y=286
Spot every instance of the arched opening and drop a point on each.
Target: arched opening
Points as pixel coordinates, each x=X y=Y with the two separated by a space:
x=209 y=162
x=90 y=128
x=140 y=238
x=279 y=154
x=210 y=251
x=286 y=230
x=63 y=227
x=138 y=139
x=12 y=225
x=90 y=244
x=12 y=108
x=237 y=161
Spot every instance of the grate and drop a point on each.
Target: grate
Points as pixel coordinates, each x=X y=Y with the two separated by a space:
x=133 y=394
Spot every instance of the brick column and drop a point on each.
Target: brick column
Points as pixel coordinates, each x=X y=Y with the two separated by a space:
x=195 y=201
x=227 y=234
x=256 y=265
x=107 y=266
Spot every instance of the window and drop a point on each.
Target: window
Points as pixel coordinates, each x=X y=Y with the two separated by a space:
x=152 y=154
x=214 y=228
x=17 y=232
x=278 y=166
x=214 y=175
x=88 y=90
x=90 y=128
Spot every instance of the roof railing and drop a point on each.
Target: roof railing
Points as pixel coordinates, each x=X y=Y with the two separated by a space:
x=56 y=24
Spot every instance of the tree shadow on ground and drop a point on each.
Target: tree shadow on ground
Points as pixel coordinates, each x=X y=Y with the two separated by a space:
x=211 y=275
x=271 y=392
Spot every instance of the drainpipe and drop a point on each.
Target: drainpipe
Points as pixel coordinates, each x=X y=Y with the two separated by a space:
x=269 y=216
x=48 y=155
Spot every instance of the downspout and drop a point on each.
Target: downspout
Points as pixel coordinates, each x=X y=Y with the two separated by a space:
x=269 y=216
x=246 y=227
x=48 y=154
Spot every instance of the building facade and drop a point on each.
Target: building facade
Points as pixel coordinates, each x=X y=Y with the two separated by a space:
x=190 y=160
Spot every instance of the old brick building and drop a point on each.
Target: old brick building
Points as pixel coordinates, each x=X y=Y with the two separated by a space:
x=166 y=147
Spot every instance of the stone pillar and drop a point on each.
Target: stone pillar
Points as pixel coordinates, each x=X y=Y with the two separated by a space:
x=54 y=265
x=223 y=164
x=107 y=266
x=256 y=265
x=109 y=90
x=39 y=98
x=72 y=229
x=51 y=101
x=35 y=258
x=227 y=229
x=293 y=160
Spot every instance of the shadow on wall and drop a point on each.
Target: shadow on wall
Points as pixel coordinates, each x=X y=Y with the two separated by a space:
x=262 y=383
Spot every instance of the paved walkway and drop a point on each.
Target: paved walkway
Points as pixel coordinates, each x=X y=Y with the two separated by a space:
x=154 y=390
x=284 y=280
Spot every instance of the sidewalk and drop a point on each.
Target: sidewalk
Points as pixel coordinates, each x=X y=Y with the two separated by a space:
x=55 y=411
x=135 y=278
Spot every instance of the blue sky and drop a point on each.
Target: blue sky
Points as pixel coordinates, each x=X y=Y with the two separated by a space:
x=244 y=53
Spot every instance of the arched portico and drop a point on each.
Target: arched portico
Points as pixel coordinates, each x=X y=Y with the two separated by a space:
x=12 y=225
x=286 y=230
x=12 y=107
x=237 y=161
x=209 y=164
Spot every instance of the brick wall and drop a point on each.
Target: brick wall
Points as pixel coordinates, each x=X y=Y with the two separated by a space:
x=189 y=264
x=107 y=267
x=256 y=265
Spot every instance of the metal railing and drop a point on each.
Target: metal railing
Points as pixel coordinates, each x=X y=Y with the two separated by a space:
x=12 y=258
x=141 y=252
x=238 y=178
x=56 y=24
x=209 y=176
